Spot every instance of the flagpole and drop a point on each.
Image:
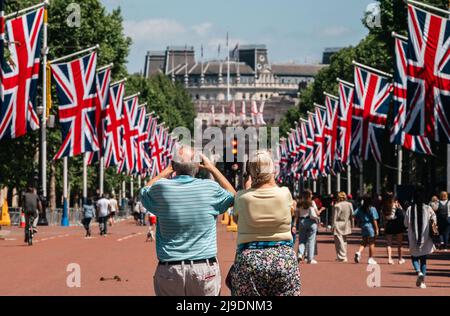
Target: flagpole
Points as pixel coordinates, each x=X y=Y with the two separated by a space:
x=102 y=176
x=65 y=215
x=379 y=72
x=85 y=163
x=132 y=187
x=23 y=11
x=87 y=50
x=400 y=165
x=44 y=53
x=329 y=184
x=349 y=179
x=228 y=69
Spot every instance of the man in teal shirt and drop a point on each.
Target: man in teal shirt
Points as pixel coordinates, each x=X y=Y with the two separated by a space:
x=186 y=239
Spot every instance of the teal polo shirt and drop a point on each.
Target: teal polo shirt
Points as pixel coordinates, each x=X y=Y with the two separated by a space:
x=187 y=210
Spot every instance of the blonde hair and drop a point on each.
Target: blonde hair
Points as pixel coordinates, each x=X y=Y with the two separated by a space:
x=261 y=168
x=342 y=196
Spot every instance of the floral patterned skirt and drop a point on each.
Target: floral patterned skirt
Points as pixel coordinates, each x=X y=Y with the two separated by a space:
x=271 y=271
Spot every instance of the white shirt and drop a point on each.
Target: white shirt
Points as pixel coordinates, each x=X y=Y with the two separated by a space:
x=113 y=204
x=103 y=207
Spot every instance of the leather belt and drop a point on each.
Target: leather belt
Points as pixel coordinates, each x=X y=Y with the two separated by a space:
x=176 y=263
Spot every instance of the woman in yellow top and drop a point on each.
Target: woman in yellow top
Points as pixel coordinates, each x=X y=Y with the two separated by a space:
x=265 y=262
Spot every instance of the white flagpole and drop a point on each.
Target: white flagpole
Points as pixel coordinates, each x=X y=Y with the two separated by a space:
x=314 y=186
x=124 y=190
x=87 y=50
x=44 y=103
x=329 y=184
x=23 y=11
x=400 y=165
x=102 y=176
x=349 y=179
x=132 y=187
x=85 y=162
x=139 y=182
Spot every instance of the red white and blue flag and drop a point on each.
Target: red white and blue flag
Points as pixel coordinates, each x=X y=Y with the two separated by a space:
x=114 y=126
x=373 y=94
x=143 y=162
x=103 y=83
x=308 y=162
x=418 y=144
x=330 y=133
x=345 y=112
x=319 y=142
x=20 y=75
x=428 y=75
x=157 y=152
x=77 y=95
x=130 y=134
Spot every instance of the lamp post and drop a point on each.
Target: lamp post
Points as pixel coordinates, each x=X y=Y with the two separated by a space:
x=43 y=166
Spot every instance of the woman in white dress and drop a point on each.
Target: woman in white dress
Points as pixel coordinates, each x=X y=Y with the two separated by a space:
x=418 y=219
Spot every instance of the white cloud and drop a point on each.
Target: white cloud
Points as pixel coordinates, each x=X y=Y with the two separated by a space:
x=202 y=29
x=335 y=31
x=153 y=29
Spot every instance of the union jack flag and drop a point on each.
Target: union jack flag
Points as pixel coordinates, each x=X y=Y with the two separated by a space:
x=114 y=126
x=130 y=133
x=77 y=95
x=346 y=96
x=371 y=105
x=157 y=152
x=308 y=162
x=330 y=132
x=319 y=124
x=143 y=162
x=102 y=84
x=417 y=144
x=20 y=75
x=151 y=123
x=428 y=73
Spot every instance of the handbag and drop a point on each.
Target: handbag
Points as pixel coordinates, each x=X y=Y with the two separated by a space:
x=434 y=231
x=228 y=278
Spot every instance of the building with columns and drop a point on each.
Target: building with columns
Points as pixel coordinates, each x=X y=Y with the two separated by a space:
x=251 y=78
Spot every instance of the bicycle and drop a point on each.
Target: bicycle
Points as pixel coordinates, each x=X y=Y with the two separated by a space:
x=29 y=230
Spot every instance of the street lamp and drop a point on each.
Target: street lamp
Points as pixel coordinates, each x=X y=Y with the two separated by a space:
x=42 y=192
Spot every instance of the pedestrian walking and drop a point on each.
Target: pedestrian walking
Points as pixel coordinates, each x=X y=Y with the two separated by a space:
x=103 y=208
x=151 y=227
x=308 y=217
x=342 y=225
x=394 y=228
x=265 y=263
x=420 y=219
x=443 y=220
x=186 y=239
x=114 y=207
x=367 y=216
x=88 y=215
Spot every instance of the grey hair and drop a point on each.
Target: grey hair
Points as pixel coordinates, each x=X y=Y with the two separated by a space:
x=184 y=161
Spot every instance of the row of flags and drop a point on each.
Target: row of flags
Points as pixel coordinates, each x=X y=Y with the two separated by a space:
x=233 y=118
x=350 y=127
x=95 y=116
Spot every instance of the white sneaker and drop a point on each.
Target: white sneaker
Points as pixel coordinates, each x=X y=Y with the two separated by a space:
x=372 y=261
x=402 y=261
x=420 y=280
x=357 y=257
x=391 y=262
x=312 y=261
x=423 y=286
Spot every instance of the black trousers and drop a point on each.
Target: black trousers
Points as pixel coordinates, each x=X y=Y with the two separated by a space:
x=87 y=223
x=103 y=225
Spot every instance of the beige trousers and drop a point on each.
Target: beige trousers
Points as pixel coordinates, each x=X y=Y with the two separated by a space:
x=200 y=279
x=340 y=242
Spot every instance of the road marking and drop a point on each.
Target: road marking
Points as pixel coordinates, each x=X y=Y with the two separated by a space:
x=129 y=236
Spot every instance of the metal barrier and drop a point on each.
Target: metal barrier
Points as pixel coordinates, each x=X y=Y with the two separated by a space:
x=54 y=216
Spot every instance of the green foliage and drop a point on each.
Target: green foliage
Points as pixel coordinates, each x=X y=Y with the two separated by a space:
x=18 y=165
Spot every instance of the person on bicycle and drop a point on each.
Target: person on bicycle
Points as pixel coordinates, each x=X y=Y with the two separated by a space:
x=31 y=208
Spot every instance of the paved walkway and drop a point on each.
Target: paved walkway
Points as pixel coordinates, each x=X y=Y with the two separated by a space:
x=125 y=254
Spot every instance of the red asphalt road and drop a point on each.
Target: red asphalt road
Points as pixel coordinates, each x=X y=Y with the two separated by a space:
x=41 y=269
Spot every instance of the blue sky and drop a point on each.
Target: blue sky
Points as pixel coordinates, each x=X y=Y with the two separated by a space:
x=293 y=30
